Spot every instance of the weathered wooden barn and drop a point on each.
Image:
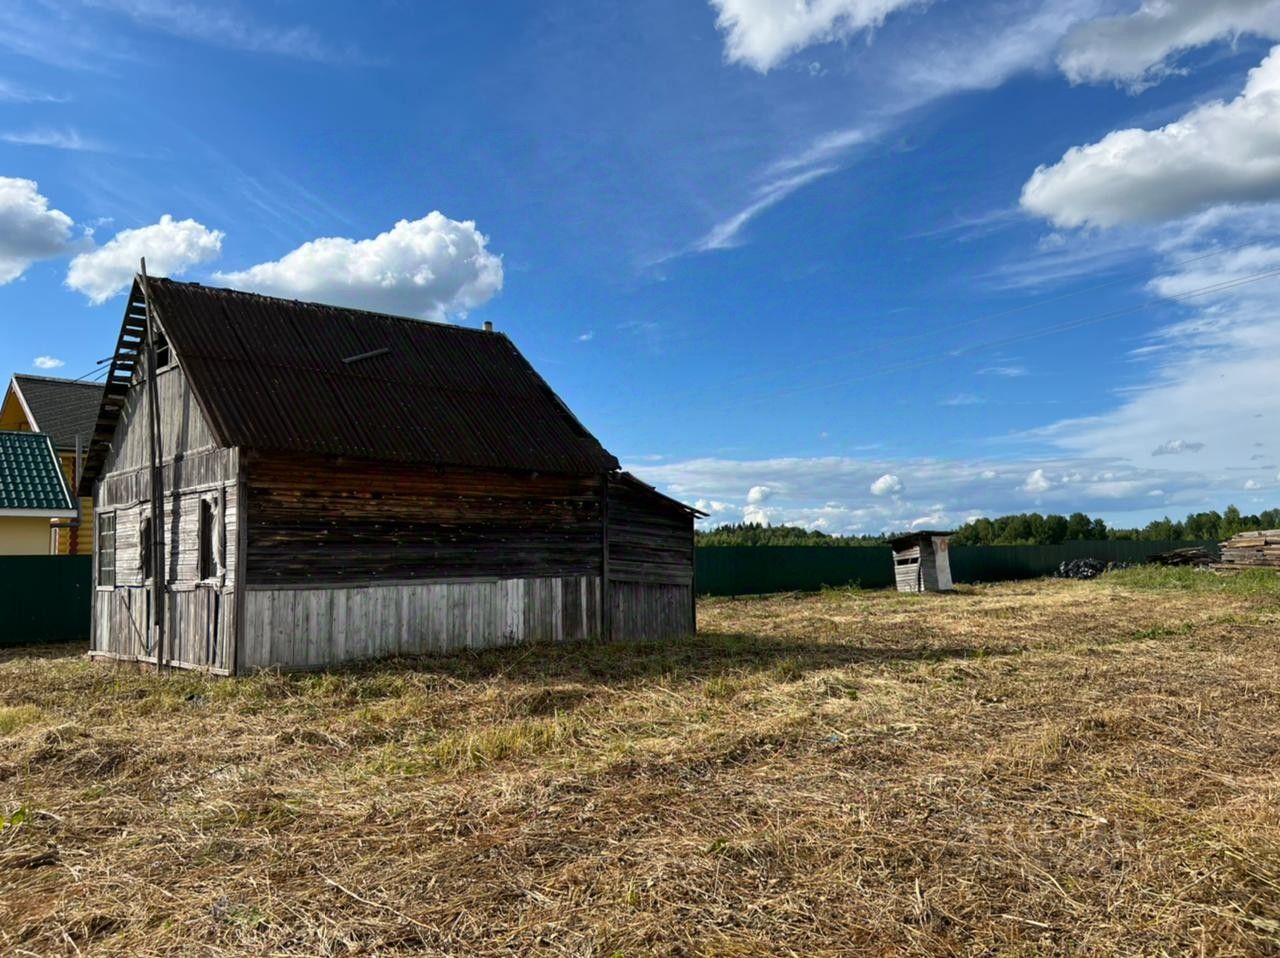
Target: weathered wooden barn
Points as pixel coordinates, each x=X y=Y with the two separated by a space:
x=922 y=561
x=324 y=484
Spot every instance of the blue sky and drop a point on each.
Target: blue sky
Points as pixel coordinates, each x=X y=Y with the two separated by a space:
x=854 y=264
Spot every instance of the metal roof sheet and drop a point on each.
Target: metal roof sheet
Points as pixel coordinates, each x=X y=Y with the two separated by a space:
x=277 y=374
x=31 y=477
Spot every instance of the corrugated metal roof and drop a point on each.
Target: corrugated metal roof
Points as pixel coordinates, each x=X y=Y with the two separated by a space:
x=270 y=374
x=30 y=476
x=61 y=408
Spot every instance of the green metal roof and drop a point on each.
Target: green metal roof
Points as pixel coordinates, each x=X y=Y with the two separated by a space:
x=30 y=476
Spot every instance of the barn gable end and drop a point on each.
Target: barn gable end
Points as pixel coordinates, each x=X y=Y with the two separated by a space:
x=375 y=486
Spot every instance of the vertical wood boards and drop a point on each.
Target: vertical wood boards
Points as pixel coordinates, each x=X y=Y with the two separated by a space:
x=183 y=428
x=302 y=628
x=651 y=612
x=200 y=616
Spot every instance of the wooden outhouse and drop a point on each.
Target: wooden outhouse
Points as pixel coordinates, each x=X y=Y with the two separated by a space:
x=324 y=484
x=922 y=562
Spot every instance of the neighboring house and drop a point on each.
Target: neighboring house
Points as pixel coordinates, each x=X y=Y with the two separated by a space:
x=33 y=491
x=67 y=412
x=338 y=484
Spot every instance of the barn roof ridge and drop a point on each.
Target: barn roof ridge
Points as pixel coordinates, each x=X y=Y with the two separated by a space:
x=283 y=375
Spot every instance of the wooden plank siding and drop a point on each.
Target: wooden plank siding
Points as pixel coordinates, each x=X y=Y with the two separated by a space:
x=649 y=540
x=200 y=615
x=313 y=628
x=183 y=428
x=340 y=560
x=318 y=521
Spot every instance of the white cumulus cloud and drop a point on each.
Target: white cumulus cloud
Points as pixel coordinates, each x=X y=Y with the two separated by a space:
x=758 y=494
x=1037 y=482
x=763 y=33
x=429 y=267
x=29 y=229
x=888 y=484
x=1137 y=48
x=170 y=246
x=1219 y=153
x=47 y=362
x=1252 y=484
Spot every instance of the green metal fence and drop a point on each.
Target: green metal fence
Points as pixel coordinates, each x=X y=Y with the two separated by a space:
x=45 y=599
x=755 y=570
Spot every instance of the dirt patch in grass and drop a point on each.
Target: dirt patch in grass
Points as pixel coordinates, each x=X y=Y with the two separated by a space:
x=1045 y=768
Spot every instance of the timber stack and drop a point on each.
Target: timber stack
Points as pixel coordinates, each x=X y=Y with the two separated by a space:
x=1251 y=550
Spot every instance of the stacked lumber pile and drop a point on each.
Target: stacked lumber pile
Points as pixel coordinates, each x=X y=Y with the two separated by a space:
x=1194 y=556
x=1251 y=550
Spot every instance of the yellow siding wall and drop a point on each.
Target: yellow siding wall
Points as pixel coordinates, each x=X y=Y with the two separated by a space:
x=24 y=537
x=84 y=534
x=12 y=416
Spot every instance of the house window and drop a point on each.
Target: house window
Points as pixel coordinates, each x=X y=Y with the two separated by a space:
x=207 y=568
x=145 y=543
x=107 y=549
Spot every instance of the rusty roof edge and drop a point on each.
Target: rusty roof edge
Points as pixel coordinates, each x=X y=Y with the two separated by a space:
x=653 y=490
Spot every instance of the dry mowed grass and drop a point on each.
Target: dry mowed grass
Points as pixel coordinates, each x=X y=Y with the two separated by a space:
x=1047 y=768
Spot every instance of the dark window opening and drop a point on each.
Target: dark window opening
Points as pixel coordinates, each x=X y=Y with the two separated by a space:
x=107 y=549
x=145 y=549
x=164 y=356
x=207 y=568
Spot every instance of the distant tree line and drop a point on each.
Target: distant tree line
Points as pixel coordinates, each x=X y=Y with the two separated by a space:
x=1031 y=528
x=1027 y=528
x=752 y=534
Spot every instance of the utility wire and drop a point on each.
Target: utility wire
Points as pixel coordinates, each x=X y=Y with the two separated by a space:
x=94 y=373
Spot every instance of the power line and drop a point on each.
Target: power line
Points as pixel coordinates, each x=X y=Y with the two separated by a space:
x=99 y=370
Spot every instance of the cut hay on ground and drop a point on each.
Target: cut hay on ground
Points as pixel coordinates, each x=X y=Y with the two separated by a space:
x=1035 y=769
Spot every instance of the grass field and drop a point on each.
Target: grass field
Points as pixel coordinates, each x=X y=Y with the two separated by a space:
x=1042 y=768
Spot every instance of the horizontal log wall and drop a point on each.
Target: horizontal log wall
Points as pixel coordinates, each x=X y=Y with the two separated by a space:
x=305 y=628
x=650 y=540
x=324 y=521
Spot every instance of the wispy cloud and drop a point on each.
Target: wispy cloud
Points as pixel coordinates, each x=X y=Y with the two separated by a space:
x=47 y=362
x=1008 y=372
x=963 y=399
x=824 y=149
x=220 y=26
x=65 y=139
x=11 y=92
x=586 y=337
x=1176 y=447
x=727 y=233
